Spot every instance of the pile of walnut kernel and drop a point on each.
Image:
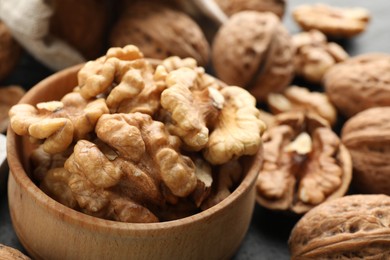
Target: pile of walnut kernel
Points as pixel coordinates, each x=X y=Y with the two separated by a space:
x=137 y=142
x=310 y=159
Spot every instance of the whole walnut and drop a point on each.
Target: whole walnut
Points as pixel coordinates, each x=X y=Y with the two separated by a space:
x=367 y=137
x=304 y=164
x=231 y=7
x=253 y=50
x=359 y=83
x=9 y=51
x=160 y=31
x=82 y=24
x=351 y=227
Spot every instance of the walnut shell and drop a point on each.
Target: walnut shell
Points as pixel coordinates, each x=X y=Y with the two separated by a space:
x=351 y=227
x=9 y=96
x=367 y=137
x=359 y=83
x=159 y=32
x=82 y=24
x=9 y=52
x=253 y=50
x=231 y=7
x=7 y=252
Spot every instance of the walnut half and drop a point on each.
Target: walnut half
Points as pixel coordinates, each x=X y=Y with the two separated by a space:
x=304 y=164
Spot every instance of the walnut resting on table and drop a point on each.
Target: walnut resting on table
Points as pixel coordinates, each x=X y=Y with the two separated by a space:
x=305 y=164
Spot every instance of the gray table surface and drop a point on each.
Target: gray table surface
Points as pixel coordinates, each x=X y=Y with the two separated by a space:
x=269 y=231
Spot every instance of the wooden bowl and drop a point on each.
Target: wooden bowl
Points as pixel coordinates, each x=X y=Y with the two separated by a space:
x=50 y=230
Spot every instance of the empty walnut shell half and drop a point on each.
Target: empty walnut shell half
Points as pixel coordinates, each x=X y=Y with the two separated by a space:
x=304 y=164
x=231 y=7
x=160 y=32
x=359 y=83
x=9 y=52
x=253 y=50
x=367 y=137
x=332 y=21
x=351 y=227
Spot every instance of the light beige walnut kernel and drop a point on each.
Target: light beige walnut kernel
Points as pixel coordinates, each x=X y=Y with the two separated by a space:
x=332 y=21
x=297 y=98
x=58 y=123
x=238 y=129
x=351 y=227
x=304 y=164
x=314 y=55
x=7 y=252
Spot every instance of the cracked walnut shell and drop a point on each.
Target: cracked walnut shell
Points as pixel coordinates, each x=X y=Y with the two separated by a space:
x=351 y=227
x=367 y=137
x=305 y=164
x=332 y=21
x=160 y=32
x=253 y=50
x=359 y=83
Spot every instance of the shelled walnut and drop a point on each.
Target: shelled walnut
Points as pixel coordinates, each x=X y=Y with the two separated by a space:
x=253 y=50
x=332 y=21
x=367 y=137
x=359 y=83
x=351 y=227
x=304 y=165
x=136 y=142
x=296 y=98
x=160 y=32
x=231 y=7
x=9 y=52
x=315 y=55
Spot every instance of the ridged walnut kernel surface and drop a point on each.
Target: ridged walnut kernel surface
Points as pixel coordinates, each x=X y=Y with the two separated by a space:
x=367 y=137
x=7 y=252
x=359 y=83
x=351 y=227
x=253 y=50
x=304 y=164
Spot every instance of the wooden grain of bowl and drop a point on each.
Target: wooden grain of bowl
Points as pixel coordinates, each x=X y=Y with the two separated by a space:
x=50 y=230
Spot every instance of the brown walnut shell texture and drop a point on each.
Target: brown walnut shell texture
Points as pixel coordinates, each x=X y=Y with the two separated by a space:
x=82 y=24
x=253 y=50
x=9 y=51
x=159 y=32
x=231 y=7
x=359 y=83
x=367 y=137
x=7 y=252
x=351 y=227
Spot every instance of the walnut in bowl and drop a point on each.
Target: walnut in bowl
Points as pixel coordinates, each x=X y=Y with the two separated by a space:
x=132 y=167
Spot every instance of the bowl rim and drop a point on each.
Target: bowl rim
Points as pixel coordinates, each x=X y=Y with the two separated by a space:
x=20 y=176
